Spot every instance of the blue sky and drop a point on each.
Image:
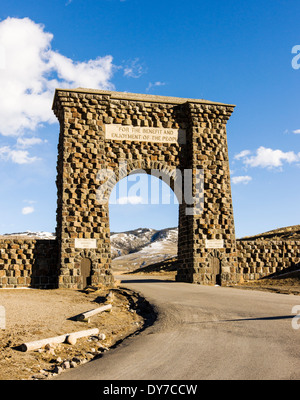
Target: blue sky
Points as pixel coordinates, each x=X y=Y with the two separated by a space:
x=242 y=53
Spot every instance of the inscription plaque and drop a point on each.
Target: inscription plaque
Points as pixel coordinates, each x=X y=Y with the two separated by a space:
x=145 y=134
x=85 y=243
x=214 y=244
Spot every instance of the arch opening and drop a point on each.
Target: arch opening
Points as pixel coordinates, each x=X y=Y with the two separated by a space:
x=143 y=214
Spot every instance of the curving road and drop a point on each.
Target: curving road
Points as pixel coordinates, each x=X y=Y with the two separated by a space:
x=204 y=333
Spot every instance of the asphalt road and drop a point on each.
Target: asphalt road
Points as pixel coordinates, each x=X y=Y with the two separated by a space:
x=204 y=333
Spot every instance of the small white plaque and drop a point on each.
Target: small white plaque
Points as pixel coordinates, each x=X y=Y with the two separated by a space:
x=145 y=134
x=85 y=243
x=214 y=244
x=2 y=318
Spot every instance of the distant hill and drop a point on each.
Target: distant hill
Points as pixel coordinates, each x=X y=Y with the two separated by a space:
x=29 y=235
x=142 y=247
x=287 y=233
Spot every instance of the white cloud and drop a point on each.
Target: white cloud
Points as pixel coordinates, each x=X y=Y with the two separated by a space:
x=297 y=131
x=242 y=154
x=29 y=201
x=130 y=200
x=241 y=179
x=151 y=85
x=27 y=210
x=135 y=69
x=16 y=156
x=91 y=74
x=29 y=142
x=31 y=72
x=269 y=158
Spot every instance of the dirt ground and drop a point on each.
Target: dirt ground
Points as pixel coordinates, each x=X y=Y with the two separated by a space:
x=285 y=286
x=33 y=314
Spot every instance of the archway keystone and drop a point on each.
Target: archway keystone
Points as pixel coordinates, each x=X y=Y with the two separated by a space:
x=183 y=139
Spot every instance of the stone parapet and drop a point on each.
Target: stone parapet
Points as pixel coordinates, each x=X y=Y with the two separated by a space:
x=34 y=263
x=28 y=263
x=260 y=258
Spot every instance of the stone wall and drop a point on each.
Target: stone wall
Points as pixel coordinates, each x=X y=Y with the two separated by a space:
x=34 y=262
x=259 y=258
x=28 y=263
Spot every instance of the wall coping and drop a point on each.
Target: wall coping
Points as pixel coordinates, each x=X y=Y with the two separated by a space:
x=140 y=97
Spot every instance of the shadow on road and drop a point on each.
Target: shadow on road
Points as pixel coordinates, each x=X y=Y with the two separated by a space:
x=146 y=280
x=279 y=317
x=260 y=318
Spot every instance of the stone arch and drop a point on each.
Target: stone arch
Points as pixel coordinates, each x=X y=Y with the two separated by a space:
x=101 y=129
x=172 y=176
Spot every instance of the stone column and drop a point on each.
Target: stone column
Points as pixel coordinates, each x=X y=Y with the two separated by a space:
x=214 y=226
x=82 y=223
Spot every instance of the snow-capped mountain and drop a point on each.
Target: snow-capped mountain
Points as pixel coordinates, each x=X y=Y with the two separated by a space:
x=123 y=243
x=31 y=235
x=142 y=247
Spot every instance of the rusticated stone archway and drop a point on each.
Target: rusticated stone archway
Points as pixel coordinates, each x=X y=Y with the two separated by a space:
x=106 y=135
